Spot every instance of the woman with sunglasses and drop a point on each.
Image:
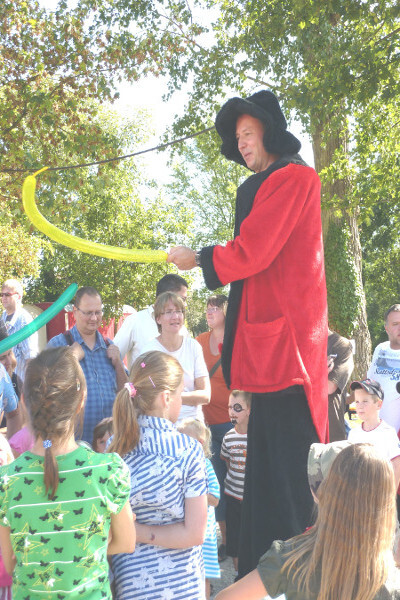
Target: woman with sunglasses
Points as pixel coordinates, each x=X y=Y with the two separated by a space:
x=169 y=314
x=216 y=413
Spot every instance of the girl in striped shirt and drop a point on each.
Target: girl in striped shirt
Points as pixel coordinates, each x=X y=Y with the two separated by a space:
x=168 y=486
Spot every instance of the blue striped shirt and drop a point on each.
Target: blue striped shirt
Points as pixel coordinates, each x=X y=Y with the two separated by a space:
x=100 y=376
x=166 y=468
x=8 y=397
x=210 y=546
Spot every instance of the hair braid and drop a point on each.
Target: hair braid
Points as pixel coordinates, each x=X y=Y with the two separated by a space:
x=53 y=390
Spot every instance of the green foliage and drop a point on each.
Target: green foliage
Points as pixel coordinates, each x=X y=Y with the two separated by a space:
x=327 y=61
x=343 y=291
x=205 y=183
x=19 y=253
x=107 y=207
x=381 y=249
x=195 y=315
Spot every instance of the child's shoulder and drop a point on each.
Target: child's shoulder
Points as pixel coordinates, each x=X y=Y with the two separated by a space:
x=99 y=458
x=232 y=434
x=383 y=426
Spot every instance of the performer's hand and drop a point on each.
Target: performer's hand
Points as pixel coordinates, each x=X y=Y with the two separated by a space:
x=183 y=257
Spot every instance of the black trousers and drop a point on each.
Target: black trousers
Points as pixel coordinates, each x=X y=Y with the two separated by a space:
x=277 y=502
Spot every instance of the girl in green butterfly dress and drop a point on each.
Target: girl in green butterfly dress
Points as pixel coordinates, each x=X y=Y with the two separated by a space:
x=63 y=508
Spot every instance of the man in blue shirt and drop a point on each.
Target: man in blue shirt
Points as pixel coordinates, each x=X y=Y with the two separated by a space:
x=99 y=358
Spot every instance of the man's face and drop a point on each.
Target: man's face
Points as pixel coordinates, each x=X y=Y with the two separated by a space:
x=9 y=299
x=249 y=135
x=88 y=314
x=392 y=327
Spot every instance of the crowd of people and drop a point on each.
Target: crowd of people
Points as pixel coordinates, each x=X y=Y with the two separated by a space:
x=124 y=454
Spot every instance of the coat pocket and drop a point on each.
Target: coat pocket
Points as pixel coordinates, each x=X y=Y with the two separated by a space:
x=269 y=354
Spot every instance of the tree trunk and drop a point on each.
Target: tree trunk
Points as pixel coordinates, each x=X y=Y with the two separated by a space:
x=346 y=297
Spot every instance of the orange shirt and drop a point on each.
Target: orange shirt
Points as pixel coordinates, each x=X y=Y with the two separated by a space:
x=217 y=411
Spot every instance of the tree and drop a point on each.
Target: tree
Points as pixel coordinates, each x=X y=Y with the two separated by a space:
x=107 y=207
x=56 y=68
x=378 y=188
x=326 y=60
x=204 y=182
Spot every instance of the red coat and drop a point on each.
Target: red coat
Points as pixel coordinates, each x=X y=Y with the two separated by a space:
x=280 y=337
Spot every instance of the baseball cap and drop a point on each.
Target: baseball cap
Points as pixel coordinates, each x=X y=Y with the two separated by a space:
x=370 y=386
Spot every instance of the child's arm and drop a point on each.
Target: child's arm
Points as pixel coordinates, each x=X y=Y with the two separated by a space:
x=250 y=587
x=212 y=500
x=122 y=530
x=7 y=551
x=189 y=533
x=227 y=460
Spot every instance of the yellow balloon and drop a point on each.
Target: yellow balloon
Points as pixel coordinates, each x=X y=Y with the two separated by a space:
x=71 y=241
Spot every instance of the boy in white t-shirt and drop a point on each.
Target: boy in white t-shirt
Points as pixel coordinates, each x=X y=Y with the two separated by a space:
x=368 y=398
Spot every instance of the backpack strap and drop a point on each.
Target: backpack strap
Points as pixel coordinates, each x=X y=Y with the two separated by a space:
x=214 y=368
x=70 y=340
x=68 y=337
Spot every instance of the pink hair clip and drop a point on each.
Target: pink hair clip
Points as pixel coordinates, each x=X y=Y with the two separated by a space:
x=131 y=389
x=152 y=382
x=143 y=365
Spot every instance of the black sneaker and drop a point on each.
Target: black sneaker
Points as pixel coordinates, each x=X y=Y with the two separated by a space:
x=222 y=553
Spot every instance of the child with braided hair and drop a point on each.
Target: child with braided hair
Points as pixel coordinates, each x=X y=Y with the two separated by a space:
x=63 y=508
x=169 y=489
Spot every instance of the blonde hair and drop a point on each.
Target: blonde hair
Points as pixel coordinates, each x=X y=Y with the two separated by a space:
x=15 y=285
x=351 y=541
x=151 y=373
x=162 y=301
x=54 y=388
x=198 y=430
x=246 y=396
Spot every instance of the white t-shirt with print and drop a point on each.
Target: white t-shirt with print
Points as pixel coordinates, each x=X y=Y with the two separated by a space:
x=385 y=369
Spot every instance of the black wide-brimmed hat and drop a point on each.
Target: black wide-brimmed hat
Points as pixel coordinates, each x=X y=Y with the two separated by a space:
x=265 y=107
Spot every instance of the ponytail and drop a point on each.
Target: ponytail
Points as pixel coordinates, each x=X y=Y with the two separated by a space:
x=151 y=373
x=126 y=427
